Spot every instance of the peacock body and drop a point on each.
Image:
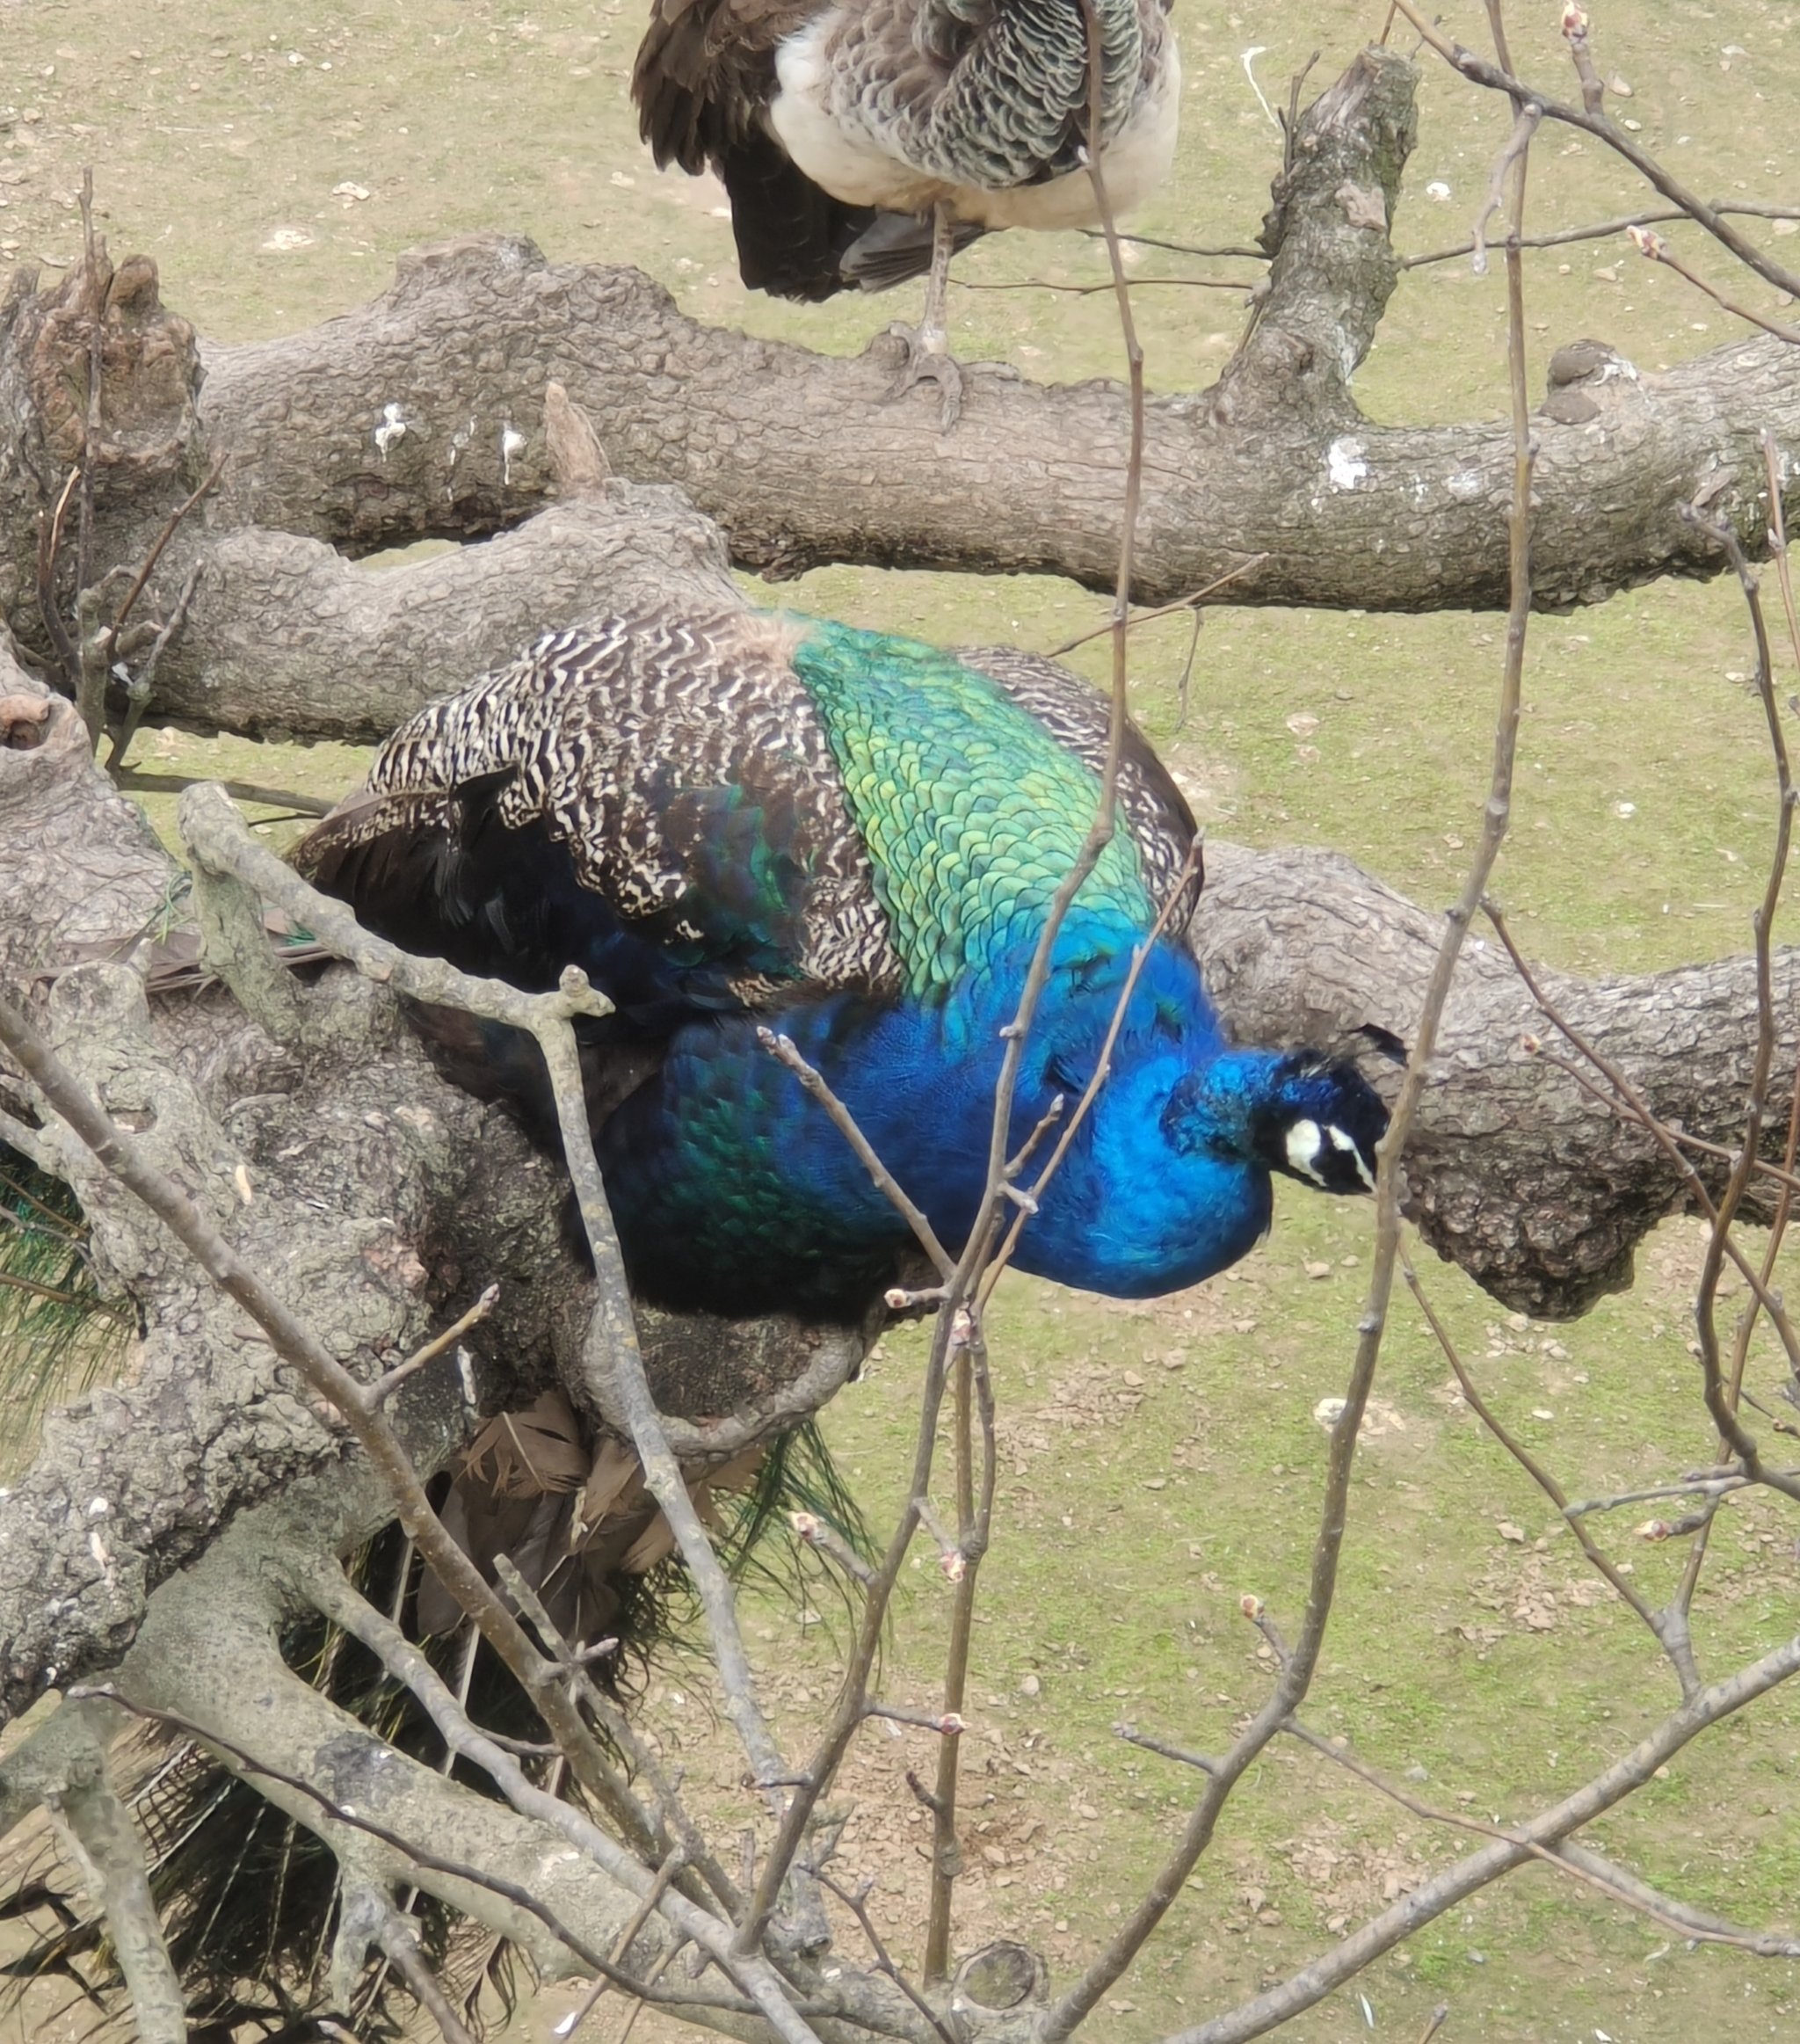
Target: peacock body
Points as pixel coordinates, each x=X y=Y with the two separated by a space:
x=746 y=821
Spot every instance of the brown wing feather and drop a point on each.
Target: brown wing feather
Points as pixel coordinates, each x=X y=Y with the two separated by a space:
x=704 y=75
x=705 y=71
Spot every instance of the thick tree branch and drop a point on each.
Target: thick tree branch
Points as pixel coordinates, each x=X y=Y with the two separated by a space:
x=1516 y=1171
x=780 y=447
x=106 y=1846
x=387 y=427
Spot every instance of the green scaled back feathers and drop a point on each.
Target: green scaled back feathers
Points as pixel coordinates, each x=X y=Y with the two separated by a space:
x=972 y=814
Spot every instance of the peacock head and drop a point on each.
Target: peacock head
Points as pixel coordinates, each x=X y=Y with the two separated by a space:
x=1314 y=1118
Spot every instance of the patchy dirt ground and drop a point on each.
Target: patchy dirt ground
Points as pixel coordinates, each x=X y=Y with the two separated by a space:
x=1161 y=1460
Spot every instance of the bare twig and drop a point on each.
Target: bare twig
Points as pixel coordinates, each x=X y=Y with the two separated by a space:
x=1594 y=92
x=399 y=1940
x=947 y=1724
x=138 y=687
x=783 y=1049
x=131 y=780
x=622 y=1944
x=1242 y=285
x=1480 y=72
x=1778 y=539
x=974 y=1525
x=1697 y=1486
x=1719 y=1399
x=1185 y=1755
x=1626 y=1094
x=171 y=525
x=848 y=1710
x=639 y=1755
x=1452 y=1884
x=59 y=1297
x=385 y=1385
x=1191 y=866
x=1524 y=126
x=1248 y=250
x=1603 y=230
x=49 y=545
x=1671 y=1637
x=328 y=1589
x=420 y=1855
x=817 y=1533
x=1655 y=247
x=1296 y=1676
x=855 y=1900
x=1590 y=1867
x=1174 y=609
x=109 y=1854
x=297 y=1344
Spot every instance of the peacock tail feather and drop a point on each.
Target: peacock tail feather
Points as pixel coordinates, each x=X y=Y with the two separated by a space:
x=60 y=1331
x=248 y=1898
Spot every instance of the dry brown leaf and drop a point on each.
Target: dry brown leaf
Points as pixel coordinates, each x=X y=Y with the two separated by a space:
x=655 y=1543
x=614 y=1483
x=530 y=1452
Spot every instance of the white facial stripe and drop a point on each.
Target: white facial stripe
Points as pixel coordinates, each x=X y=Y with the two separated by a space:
x=1349 y=1143
x=1303 y=1148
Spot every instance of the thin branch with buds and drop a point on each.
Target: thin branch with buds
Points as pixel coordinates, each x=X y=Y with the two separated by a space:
x=1654 y=248
x=1668 y=1629
x=1499 y=79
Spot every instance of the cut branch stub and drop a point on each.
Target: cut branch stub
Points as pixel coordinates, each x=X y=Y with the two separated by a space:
x=145 y=457
x=1334 y=267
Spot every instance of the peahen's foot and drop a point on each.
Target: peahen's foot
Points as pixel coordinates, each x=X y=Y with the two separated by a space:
x=928 y=359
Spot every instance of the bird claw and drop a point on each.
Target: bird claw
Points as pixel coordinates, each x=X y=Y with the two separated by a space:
x=928 y=357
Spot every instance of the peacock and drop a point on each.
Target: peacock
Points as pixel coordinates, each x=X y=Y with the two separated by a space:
x=860 y=142
x=741 y=822
x=737 y=821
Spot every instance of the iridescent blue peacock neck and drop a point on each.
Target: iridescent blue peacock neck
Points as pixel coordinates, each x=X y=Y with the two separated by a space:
x=748 y=821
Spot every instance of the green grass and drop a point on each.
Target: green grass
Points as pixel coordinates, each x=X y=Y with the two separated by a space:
x=1134 y=1516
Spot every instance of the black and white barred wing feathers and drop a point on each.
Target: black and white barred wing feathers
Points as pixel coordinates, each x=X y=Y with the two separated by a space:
x=650 y=797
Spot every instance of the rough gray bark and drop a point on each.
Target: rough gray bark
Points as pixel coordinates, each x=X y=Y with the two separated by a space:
x=1517 y=1173
x=380 y=1195
x=212 y=1640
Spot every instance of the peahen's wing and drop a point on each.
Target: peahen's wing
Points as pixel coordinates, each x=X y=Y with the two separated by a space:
x=704 y=77
x=705 y=72
x=651 y=797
